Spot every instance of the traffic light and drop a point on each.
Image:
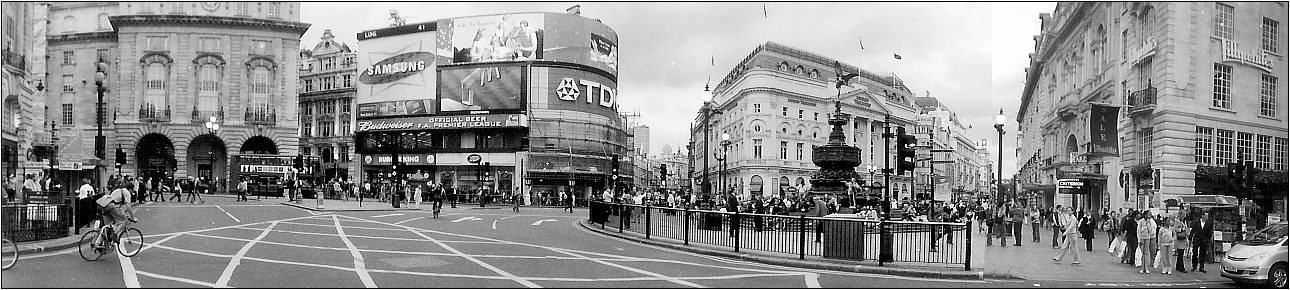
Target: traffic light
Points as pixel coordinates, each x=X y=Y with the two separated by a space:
x=120 y=157
x=299 y=162
x=488 y=170
x=614 y=165
x=904 y=151
x=662 y=171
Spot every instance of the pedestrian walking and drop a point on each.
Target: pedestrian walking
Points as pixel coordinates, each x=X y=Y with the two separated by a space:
x=158 y=190
x=1035 y=223
x=1057 y=226
x=1070 y=231
x=1165 y=238
x=1147 y=240
x=1086 y=230
x=416 y=197
x=1129 y=232
x=732 y=207
x=515 y=200
x=568 y=201
x=1004 y=227
x=1202 y=236
x=758 y=207
x=195 y=190
x=241 y=189
x=177 y=190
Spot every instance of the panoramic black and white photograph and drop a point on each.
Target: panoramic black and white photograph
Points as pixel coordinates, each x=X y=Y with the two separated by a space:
x=644 y=145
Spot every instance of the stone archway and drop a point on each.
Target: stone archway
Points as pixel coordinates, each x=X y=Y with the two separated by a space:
x=1072 y=145
x=207 y=157
x=259 y=145
x=154 y=155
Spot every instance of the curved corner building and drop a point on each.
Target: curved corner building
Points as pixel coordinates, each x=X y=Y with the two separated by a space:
x=521 y=102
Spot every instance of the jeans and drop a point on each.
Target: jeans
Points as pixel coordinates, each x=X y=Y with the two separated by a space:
x=1149 y=247
x=1016 y=229
x=1056 y=234
x=1131 y=246
x=1068 y=245
x=1034 y=232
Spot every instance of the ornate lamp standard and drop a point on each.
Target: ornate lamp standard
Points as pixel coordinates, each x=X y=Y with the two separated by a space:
x=721 y=172
x=707 y=110
x=998 y=182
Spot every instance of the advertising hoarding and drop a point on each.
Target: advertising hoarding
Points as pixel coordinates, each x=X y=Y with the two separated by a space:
x=582 y=41
x=488 y=88
x=528 y=36
x=443 y=122
x=574 y=90
x=397 y=74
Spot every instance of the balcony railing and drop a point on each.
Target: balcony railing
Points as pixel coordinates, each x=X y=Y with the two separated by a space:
x=261 y=114
x=150 y=112
x=200 y=116
x=13 y=58
x=1142 y=101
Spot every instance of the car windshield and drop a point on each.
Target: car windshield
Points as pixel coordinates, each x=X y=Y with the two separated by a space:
x=1270 y=234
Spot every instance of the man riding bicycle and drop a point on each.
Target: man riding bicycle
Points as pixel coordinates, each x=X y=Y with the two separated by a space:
x=115 y=207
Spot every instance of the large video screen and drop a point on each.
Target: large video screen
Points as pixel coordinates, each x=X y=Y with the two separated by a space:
x=574 y=90
x=528 y=36
x=397 y=72
x=490 y=88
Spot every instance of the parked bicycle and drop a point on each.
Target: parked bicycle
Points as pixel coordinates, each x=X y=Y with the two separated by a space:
x=10 y=254
x=95 y=243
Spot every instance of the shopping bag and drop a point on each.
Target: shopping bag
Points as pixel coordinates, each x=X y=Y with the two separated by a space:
x=1157 y=262
x=1137 y=258
x=1114 y=243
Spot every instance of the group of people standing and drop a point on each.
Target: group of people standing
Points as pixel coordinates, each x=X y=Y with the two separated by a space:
x=1162 y=241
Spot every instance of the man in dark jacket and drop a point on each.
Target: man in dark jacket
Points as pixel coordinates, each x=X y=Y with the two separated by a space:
x=758 y=207
x=821 y=210
x=1129 y=232
x=732 y=207
x=1202 y=236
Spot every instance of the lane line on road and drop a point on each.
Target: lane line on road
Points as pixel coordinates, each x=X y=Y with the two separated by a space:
x=272 y=243
x=387 y=215
x=359 y=265
x=237 y=258
x=517 y=279
x=128 y=273
x=177 y=279
x=229 y=214
x=409 y=220
x=640 y=271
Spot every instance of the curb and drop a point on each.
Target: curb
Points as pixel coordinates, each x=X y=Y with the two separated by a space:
x=822 y=265
x=310 y=208
x=41 y=247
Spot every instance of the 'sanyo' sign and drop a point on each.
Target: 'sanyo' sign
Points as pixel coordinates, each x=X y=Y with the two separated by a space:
x=396 y=67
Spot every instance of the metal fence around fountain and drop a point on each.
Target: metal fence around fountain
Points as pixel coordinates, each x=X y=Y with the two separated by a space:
x=925 y=243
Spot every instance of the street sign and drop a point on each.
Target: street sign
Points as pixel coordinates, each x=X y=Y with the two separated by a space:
x=1070 y=183
x=72 y=166
x=474 y=158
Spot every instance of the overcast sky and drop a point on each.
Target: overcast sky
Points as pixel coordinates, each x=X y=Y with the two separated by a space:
x=971 y=55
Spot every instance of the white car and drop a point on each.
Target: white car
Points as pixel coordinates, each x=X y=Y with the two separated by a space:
x=1260 y=258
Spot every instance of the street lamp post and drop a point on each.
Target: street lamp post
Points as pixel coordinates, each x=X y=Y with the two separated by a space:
x=998 y=182
x=725 y=147
x=707 y=112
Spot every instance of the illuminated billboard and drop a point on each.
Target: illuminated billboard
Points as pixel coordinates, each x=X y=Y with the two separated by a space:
x=491 y=88
x=573 y=90
x=558 y=37
x=397 y=71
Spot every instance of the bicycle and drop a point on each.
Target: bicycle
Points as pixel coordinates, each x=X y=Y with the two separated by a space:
x=10 y=254
x=93 y=244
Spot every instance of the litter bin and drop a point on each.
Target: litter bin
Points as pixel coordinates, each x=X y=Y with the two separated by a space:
x=843 y=239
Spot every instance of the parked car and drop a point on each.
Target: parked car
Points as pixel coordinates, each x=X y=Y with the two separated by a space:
x=1260 y=258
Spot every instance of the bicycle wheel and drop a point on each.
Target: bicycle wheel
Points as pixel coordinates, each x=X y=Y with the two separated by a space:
x=90 y=250
x=130 y=242
x=10 y=254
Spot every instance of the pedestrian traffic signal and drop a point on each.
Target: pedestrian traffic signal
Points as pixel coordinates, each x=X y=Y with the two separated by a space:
x=120 y=157
x=904 y=151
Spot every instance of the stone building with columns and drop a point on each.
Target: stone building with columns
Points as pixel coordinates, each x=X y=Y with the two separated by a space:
x=174 y=69
x=328 y=75
x=775 y=105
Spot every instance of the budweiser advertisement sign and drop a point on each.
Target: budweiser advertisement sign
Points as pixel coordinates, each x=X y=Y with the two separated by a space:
x=444 y=122
x=1102 y=130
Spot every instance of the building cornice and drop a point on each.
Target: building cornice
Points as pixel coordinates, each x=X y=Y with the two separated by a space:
x=86 y=36
x=120 y=21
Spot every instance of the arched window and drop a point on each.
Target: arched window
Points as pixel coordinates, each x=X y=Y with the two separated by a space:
x=783 y=65
x=261 y=77
x=755 y=185
x=156 y=75
x=801 y=183
x=103 y=21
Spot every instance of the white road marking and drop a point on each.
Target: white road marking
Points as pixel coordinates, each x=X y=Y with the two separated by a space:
x=359 y=266
x=494 y=225
x=469 y=218
x=517 y=279
x=387 y=215
x=128 y=273
x=409 y=220
x=177 y=279
x=229 y=214
x=539 y=222
x=647 y=273
x=237 y=258
x=272 y=243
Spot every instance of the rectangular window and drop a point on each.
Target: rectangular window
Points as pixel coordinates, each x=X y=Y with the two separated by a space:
x=817 y=116
x=260 y=47
x=1124 y=44
x=1262 y=152
x=344 y=105
x=349 y=80
x=306 y=109
x=783 y=150
x=69 y=57
x=1280 y=160
x=756 y=108
x=275 y=10
x=1222 y=86
x=1144 y=145
x=756 y=148
x=309 y=150
x=800 y=151
x=177 y=8
x=67 y=114
x=785 y=111
x=328 y=64
x=1270 y=35
x=1268 y=96
x=1223 y=149
x=1224 y=18
x=307 y=130
x=102 y=55
x=1244 y=143
x=156 y=43
x=1204 y=145
x=209 y=44
x=325 y=129
x=67 y=84
x=345 y=128
x=243 y=8
x=309 y=85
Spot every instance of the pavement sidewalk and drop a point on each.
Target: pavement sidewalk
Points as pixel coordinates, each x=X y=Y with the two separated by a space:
x=1034 y=261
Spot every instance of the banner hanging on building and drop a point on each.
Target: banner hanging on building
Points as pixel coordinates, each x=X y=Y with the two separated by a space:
x=1103 y=122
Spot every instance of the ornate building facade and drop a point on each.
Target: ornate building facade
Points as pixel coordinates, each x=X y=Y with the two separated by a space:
x=188 y=84
x=326 y=89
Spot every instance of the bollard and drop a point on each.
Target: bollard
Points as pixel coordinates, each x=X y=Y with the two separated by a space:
x=801 y=241
x=647 y=221
x=320 y=200
x=967 y=235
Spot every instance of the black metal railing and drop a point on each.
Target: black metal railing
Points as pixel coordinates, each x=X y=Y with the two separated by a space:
x=200 y=116
x=42 y=216
x=929 y=243
x=262 y=114
x=1142 y=100
x=150 y=112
